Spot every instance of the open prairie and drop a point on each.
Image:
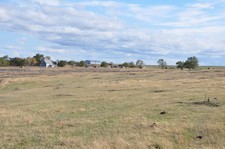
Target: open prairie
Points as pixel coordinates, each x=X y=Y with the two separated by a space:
x=112 y=108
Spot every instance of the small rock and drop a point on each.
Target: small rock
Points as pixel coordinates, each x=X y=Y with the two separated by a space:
x=163 y=112
x=154 y=146
x=199 y=137
x=153 y=125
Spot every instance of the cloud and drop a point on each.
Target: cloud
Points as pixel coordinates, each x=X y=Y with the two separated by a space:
x=202 y=5
x=12 y=47
x=151 y=13
x=3 y=15
x=48 y=2
x=49 y=50
x=105 y=29
x=107 y=4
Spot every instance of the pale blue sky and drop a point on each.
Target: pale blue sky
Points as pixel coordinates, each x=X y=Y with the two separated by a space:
x=115 y=30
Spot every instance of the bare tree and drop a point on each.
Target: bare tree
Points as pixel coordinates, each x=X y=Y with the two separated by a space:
x=162 y=63
x=140 y=64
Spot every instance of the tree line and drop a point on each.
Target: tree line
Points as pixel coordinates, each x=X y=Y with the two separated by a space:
x=17 y=61
x=190 y=63
x=36 y=61
x=138 y=64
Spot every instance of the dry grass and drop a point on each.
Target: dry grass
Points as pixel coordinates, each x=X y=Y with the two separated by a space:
x=67 y=108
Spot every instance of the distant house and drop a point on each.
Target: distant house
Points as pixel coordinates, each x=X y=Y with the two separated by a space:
x=116 y=66
x=91 y=63
x=47 y=63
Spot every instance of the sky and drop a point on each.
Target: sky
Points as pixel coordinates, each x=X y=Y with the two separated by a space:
x=114 y=31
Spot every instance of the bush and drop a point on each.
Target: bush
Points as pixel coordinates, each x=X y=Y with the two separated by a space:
x=190 y=63
x=62 y=63
x=180 y=65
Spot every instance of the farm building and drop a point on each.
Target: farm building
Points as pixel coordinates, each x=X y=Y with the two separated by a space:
x=47 y=63
x=92 y=63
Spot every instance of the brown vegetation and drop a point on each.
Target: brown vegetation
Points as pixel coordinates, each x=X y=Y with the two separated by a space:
x=112 y=108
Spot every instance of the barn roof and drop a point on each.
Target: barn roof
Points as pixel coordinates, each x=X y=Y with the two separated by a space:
x=48 y=61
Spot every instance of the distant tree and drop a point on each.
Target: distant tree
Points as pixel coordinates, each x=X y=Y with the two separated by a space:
x=111 y=64
x=19 y=61
x=81 y=64
x=191 y=63
x=4 y=61
x=6 y=57
x=31 y=61
x=72 y=63
x=180 y=65
x=62 y=63
x=104 y=64
x=132 y=65
x=38 y=58
x=25 y=62
x=140 y=64
x=126 y=64
x=162 y=63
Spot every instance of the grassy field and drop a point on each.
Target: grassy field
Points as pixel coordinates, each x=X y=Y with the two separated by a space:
x=57 y=108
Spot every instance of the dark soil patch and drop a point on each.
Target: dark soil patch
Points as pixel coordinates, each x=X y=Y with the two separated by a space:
x=97 y=78
x=112 y=90
x=154 y=146
x=159 y=91
x=207 y=103
x=63 y=95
